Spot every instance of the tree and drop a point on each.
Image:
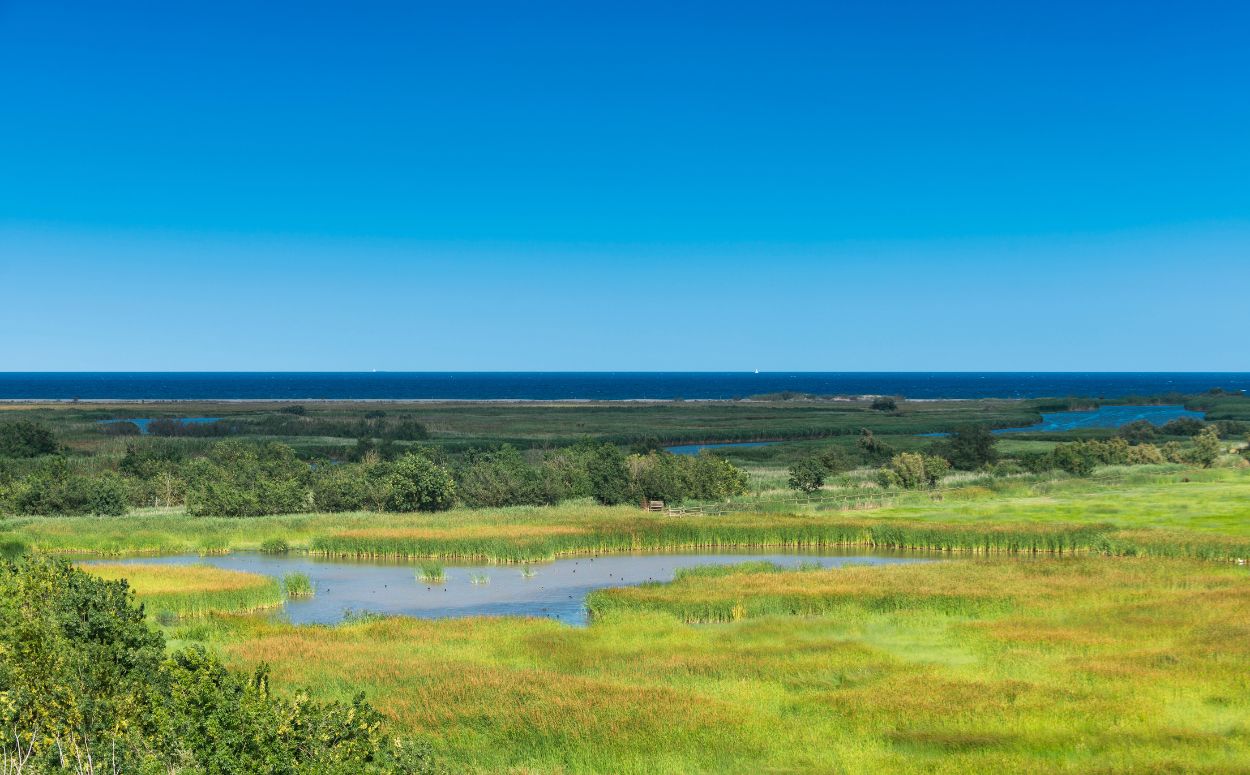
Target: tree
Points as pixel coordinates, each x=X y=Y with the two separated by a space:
x=873 y=449
x=26 y=439
x=1072 y=458
x=969 y=447
x=1138 y=432
x=884 y=404
x=1182 y=426
x=608 y=474
x=911 y=470
x=416 y=484
x=1207 y=447
x=807 y=475
x=238 y=479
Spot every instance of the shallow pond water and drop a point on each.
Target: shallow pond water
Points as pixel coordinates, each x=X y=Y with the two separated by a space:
x=143 y=422
x=694 y=449
x=555 y=590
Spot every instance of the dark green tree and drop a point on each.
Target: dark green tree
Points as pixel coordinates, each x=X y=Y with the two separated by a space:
x=970 y=447
x=608 y=474
x=417 y=484
x=807 y=475
x=26 y=439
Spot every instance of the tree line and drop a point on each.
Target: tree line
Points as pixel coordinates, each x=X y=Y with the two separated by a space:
x=244 y=478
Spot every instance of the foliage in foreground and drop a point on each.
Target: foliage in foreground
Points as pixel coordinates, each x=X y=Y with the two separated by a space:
x=83 y=676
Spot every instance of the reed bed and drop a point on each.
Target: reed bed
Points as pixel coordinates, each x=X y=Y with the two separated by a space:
x=189 y=591
x=298 y=585
x=1061 y=515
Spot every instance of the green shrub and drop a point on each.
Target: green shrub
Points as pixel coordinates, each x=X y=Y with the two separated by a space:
x=237 y=479
x=1182 y=426
x=81 y=671
x=969 y=447
x=807 y=475
x=416 y=484
x=911 y=471
x=1073 y=458
x=608 y=474
x=26 y=439
x=1207 y=447
x=1138 y=431
x=53 y=489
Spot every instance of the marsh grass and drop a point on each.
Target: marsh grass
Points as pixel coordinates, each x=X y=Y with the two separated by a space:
x=431 y=573
x=274 y=546
x=298 y=585
x=182 y=591
x=983 y=664
x=528 y=573
x=479 y=578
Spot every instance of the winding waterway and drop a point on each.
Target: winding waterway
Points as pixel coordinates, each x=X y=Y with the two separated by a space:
x=555 y=590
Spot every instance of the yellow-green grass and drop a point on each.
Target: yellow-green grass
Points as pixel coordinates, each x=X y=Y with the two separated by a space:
x=1087 y=664
x=182 y=591
x=1151 y=511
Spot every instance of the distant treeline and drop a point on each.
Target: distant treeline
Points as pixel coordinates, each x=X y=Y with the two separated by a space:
x=240 y=478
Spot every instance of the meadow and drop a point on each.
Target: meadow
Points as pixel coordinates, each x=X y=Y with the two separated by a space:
x=1149 y=510
x=1080 y=664
x=1070 y=623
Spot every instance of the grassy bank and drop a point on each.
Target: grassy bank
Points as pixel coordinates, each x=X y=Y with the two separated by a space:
x=1163 y=512
x=183 y=591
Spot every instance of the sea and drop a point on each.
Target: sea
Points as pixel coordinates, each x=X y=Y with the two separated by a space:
x=596 y=386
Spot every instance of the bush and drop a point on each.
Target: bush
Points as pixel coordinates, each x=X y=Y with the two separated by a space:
x=416 y=484
x=1073 y=458
x=350 y=487
x=237 y=479
x=608 y=474
x=1207 y=448
x=911 y=470
x=52 y=489
x=501 y=477
x=1138 y=431
x=884 y=404
x=120 y=428
x=26 y=439
x=1182 y=426
x=807 y=475
x=1145 y=454
x=873 y=449
x=674 y=478
x=81 y=671
x=969 y=447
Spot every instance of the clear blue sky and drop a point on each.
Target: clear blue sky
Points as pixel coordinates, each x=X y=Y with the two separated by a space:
x=634 y=185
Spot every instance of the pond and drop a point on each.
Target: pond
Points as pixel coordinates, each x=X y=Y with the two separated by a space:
x=1102 y=417
x=555 y=590
x=143 y=422
x=694 y=449
x=1107 y=417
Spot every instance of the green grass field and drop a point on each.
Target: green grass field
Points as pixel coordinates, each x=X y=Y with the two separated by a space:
x=1072 y=625
x=1085 y=664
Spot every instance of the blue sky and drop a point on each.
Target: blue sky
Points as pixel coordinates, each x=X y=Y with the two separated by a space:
x=482 y=186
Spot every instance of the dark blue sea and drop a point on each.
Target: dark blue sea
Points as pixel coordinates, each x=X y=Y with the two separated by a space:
x=291 y=386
